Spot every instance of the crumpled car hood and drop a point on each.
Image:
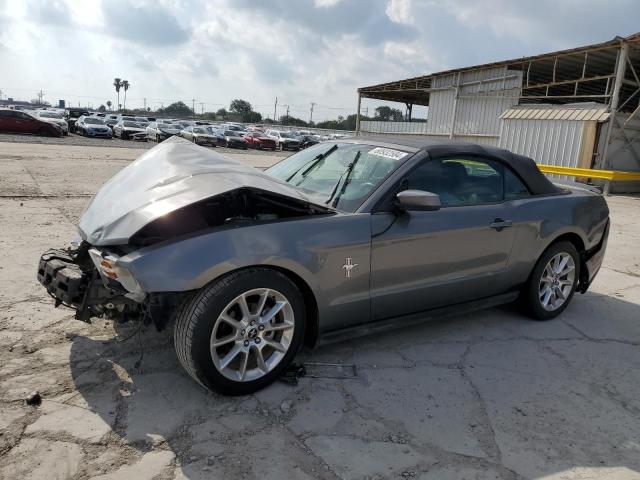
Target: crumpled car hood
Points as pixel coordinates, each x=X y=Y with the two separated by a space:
x=172 y=175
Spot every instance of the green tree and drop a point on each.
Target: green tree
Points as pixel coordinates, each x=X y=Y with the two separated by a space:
x=102 y=108
x=242 y=108
x=388 y=114
x=109 y=104
x=222 y=113
x=289 y=120
x=176 y=109
x=117 y=83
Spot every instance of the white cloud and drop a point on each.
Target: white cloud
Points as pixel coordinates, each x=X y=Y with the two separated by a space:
x=325 y=3
x=400 y=11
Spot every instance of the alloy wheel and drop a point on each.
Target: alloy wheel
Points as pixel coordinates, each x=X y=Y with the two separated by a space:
x=252 y=334
x=557 y=281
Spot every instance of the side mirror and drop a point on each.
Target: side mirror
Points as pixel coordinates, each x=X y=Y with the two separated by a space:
x=418 y=200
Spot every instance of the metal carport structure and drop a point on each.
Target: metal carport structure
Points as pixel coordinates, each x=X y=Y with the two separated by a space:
x=467 y=104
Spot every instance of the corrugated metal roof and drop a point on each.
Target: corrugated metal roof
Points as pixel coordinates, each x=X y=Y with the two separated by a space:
x=598 y=114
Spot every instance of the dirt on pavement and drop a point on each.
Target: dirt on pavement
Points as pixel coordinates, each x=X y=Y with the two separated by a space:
x=488 y=395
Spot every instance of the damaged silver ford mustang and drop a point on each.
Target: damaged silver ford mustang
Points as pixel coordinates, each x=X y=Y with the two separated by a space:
x=344 y=238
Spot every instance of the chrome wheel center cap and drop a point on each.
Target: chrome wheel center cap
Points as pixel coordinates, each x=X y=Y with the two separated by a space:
x=252 y=333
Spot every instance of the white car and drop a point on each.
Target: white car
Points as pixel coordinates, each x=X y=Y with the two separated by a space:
x=160 y=131
x=56 y=117
x=284 y=140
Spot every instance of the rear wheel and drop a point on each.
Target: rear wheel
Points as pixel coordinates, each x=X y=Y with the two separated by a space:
x=553 y=281
x=239 y=333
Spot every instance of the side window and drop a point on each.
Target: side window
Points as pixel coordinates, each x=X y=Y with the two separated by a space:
x=513 y=186
x=460 y=181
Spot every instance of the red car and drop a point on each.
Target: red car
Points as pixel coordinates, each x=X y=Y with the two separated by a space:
x=16 y=121
x=259 y=140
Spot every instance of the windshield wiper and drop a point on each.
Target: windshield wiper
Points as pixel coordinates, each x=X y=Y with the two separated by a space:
x=316 y=160
x=347 y=180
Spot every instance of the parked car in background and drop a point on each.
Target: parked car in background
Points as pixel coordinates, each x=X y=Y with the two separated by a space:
x=90 y=126
x=17 y=121
x=233 y=139
x=284 y=140
x=54 y=116
x=307 y=141
x=199 y=135
x=129 y=130
x=110 y=120
x=142 y=121
x=216 y=132
x=160 y=131
x=72 y=114
x=259 y=140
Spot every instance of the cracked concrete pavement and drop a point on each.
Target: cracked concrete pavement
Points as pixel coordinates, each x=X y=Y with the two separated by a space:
x=488 y=395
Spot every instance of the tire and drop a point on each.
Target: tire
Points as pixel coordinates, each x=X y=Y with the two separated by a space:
x=532 y=296
x=198 y=320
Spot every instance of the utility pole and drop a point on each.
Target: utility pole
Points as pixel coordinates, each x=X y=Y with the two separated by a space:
x=193 y=107
x=202 y=108
x=145 y=103
x=311 y=115
x=40 y=95
x=287 y=115
x=275 y=105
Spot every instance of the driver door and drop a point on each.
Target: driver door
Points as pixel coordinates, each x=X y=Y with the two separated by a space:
x=431 y=259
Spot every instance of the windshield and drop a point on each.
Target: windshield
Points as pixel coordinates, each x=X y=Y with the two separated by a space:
x=285 y=135
x=199 y=130
x=51 y=115
x=331 y=176
x=94 y=121
x=131 y=124
x=231 y=133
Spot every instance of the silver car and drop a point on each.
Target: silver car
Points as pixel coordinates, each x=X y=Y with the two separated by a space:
x=344 y=238
x=56 y=117
x=161 y=130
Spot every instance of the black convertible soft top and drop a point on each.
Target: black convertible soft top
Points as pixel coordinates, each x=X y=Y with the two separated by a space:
x=523 y=166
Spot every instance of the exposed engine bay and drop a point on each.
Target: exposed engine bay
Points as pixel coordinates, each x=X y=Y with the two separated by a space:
x=237 y=207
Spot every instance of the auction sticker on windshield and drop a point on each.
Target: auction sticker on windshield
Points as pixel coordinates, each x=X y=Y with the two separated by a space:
x=388 y=153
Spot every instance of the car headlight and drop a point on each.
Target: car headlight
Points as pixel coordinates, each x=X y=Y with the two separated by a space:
x=109 y=269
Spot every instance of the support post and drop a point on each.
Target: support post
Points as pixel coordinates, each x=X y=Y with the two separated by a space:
x=358 y=114
x=621 y=64
x=455 y=108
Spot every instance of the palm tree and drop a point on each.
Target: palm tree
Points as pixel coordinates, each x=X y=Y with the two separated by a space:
x=117 y=83
x=109 y=104
x=125 y=85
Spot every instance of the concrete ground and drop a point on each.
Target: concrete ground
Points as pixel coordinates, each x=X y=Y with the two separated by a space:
x=489 y=395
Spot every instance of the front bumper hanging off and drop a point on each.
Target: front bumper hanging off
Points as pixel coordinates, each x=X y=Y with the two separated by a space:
x=62 y=278
x=71 y=279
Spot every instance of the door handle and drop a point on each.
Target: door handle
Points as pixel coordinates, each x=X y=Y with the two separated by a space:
x=498 y=224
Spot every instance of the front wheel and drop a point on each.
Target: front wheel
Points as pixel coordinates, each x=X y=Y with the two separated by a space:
x=239 y=333
x=553 y=281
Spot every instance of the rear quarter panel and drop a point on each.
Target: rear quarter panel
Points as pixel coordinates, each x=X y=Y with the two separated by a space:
x=313 y=248
x=542 y=220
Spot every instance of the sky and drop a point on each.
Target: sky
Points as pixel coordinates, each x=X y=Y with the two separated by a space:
x=300 y=51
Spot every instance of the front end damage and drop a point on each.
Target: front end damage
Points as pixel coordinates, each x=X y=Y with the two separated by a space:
x=174 y=191
x=92 y=283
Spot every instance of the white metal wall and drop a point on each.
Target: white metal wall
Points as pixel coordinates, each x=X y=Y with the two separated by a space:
x=549 y=142
x=372 y=126
x=482 y=97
